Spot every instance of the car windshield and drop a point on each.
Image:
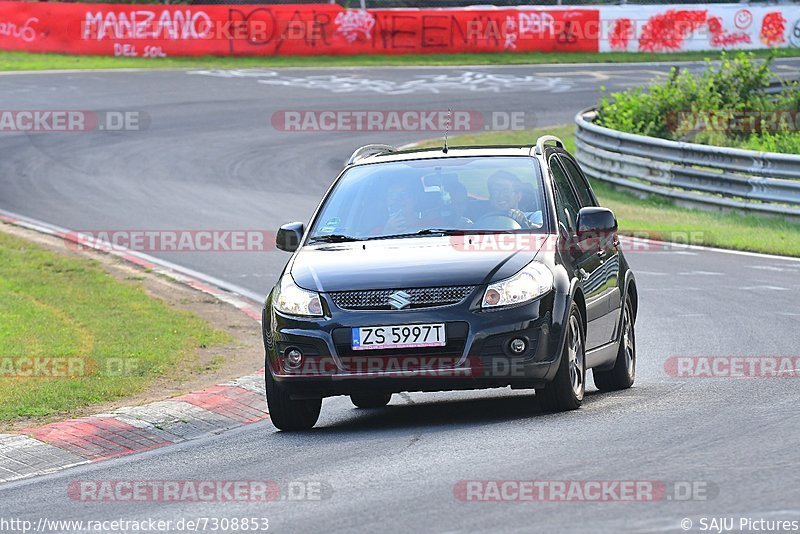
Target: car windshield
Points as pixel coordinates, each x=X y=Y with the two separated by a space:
x=428 y=196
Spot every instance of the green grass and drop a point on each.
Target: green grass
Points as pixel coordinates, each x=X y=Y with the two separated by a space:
x=10 y=61
x=54 y=306
x=657 y=217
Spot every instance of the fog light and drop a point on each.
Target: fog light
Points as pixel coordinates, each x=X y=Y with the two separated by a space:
x=518 y=345
x=292 y=358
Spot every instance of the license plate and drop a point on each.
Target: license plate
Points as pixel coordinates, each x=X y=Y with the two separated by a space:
x=399 y=337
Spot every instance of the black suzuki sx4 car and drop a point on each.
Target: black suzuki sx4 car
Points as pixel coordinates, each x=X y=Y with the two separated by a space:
x=445 y=269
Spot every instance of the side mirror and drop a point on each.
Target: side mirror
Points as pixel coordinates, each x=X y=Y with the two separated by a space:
x=289 y=236
x=595 y=227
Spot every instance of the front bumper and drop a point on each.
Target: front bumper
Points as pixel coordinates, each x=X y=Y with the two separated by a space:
x=477 y=354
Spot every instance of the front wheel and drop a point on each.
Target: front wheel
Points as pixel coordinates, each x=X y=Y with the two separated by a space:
x=287 y=413
x=370 y=400
x=622 y=375
x=566 y=390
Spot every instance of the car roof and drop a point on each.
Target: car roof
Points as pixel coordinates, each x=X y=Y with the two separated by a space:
x=452 y=152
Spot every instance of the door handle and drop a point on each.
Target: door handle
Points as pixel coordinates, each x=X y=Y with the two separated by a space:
x=602 y=254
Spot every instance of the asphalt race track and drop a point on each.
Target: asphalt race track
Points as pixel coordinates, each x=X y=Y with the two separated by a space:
x=210 y=159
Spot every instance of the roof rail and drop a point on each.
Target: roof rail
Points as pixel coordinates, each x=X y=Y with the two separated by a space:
x=370 y=150
x=544 y=139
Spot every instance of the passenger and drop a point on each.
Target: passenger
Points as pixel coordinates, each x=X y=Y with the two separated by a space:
x=402 y=199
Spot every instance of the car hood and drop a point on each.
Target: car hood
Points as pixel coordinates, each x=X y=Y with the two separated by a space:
x=412 y=262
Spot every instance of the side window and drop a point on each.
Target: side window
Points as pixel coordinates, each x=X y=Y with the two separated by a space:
x=569 y=204
x=579 y=182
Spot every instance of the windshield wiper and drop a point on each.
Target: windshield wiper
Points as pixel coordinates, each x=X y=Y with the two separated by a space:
x=442 y=231
x=426 y=231
x=332 y=238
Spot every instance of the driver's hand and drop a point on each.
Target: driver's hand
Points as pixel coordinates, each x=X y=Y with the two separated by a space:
x=396 y=224
x=520 y=217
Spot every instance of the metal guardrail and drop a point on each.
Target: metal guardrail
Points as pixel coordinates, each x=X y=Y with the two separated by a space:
x=699 y=174
x=777 y=86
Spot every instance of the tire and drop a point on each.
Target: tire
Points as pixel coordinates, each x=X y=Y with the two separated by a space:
x=371 y=400
x=566 y=390
x=287 y=413
x=622 y=375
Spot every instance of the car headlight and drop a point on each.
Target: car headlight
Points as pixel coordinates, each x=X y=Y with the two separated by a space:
x=294 y=300
x=531 y=282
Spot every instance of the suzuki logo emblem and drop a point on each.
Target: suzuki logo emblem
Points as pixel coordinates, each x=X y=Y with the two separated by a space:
x=399 y=300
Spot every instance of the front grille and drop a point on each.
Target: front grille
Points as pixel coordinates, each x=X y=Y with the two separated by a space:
x=422 y=297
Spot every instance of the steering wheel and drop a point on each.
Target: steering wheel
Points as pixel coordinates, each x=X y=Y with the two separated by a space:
x=496 y=221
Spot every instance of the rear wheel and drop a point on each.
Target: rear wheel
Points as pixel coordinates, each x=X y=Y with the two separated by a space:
x=287 y=413
x=622 y=375
x=566 y=390
x=371 y=400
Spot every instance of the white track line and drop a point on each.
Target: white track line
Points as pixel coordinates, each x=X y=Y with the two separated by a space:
x=51 y=229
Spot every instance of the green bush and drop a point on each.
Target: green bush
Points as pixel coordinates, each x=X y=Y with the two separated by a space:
x=786 y=142
x=700 y=107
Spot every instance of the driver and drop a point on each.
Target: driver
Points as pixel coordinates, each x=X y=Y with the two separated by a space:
x=505 y=194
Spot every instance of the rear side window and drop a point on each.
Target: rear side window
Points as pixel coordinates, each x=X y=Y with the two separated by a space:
x=579 y=182
x=570 y=206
